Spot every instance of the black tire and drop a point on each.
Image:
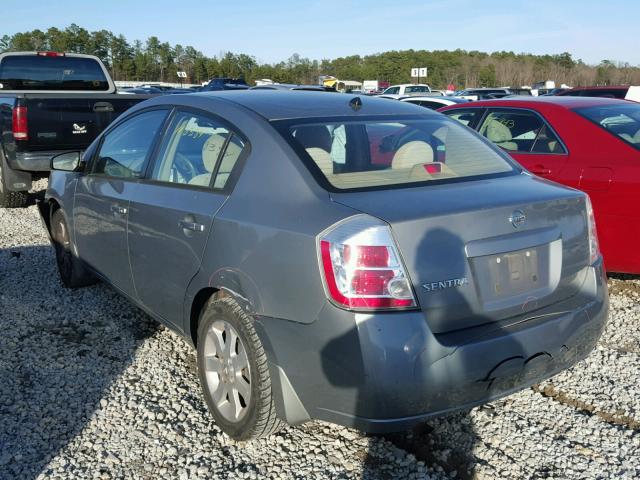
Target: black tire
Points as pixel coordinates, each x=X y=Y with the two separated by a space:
x=9 y=199
x=73 y=273
x=260 y=419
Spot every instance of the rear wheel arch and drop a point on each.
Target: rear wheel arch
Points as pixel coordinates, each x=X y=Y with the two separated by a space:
x=198 y=305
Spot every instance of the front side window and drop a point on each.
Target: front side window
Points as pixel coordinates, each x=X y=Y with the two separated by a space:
x=467 y=117
x=392 y=91
x=622 y=121
x=520 y=131
x=364 y=154
x=194 y=148
x=124 y=150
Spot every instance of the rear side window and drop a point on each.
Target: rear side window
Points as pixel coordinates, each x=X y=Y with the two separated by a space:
x=196 y=149
x=356 y=155
x=623 y=121
x=36 y=72
x=124 y=150
x=520 y=131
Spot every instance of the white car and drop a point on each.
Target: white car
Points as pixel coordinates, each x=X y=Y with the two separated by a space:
x=407 y=89
x=434 y=103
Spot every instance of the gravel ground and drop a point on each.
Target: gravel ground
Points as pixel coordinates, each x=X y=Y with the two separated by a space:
x=90 y=387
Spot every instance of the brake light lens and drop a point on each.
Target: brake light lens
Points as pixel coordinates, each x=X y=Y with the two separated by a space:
x=19 y=123
x=361 y=266
x=594 y=245
x=51 y=54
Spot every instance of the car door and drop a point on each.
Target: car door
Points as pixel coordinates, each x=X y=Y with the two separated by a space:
x=101 y=203
x=171 y=212
x=528 y=138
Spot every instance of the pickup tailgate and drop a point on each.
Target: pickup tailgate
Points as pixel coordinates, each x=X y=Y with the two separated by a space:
x=71 y=121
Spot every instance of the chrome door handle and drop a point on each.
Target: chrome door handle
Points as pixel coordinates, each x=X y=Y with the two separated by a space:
x=119 y=210
x=193 y=226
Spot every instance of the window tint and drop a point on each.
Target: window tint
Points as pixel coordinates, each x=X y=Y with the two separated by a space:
x=190 y=150
x=519 y=131
x=375 y=154
x=125 y=148
x=465 y=117
x=392 y=90
x=36 y=72
x=622 y=121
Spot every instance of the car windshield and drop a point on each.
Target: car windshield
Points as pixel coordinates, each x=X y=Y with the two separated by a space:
x=365 y=154
x=37 y=72
x=620 y=120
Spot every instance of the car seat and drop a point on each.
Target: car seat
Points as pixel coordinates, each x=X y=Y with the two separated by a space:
x=500 y=134
x=210 y=153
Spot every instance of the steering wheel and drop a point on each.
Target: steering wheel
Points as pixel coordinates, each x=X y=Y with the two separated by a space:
x=182 y=170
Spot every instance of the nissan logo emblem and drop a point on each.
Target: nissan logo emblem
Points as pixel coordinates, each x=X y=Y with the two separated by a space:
x=517 y=218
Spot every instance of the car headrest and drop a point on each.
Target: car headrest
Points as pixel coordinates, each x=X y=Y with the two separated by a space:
x=314 y=136
x=412 y=153
x=498 y=132
x=322 y=158
x=211 y=151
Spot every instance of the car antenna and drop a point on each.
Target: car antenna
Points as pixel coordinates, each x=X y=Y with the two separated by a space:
x=355 y=103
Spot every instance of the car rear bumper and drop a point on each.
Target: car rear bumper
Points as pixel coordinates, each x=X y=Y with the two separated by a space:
x=33 y=161
x=388 y=372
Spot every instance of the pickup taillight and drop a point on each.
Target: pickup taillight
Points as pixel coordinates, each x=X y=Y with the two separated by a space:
x=19 y=128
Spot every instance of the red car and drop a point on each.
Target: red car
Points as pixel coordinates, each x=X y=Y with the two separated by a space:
x=592 y=144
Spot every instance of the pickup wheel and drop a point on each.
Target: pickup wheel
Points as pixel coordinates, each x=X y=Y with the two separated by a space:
x=233 y=372
x=9 y=199
x=73 y=273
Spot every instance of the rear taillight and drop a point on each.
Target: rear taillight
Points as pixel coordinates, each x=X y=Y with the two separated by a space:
x=50 y=54
x=362 y=268
x=20 y=123
x=594 y=246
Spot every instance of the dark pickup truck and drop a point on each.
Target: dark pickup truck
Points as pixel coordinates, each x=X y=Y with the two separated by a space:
x=50 y=103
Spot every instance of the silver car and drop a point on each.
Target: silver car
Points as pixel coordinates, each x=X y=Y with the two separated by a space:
x=360 y=261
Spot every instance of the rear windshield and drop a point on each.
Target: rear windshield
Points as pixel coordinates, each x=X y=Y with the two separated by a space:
x=622 y=121
x=35 y=72
x=364 y=154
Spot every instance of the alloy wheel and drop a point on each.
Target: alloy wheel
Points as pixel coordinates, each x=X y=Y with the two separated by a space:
x=227 y=371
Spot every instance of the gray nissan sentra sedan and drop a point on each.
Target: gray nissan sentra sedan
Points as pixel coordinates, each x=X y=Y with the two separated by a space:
x=355 y=260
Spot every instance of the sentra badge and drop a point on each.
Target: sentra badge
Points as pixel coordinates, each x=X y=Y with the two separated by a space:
x=443 y=284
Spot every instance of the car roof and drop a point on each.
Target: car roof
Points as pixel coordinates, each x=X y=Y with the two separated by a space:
x=600 y=87
x=568 y=103
x=286 y=104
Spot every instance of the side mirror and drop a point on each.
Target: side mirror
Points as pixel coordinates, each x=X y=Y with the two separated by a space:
x=68 y=162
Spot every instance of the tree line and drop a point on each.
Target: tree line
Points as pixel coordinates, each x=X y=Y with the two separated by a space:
x=154 y=60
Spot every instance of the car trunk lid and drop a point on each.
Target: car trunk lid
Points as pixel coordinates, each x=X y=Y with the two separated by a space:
x=486 y=250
